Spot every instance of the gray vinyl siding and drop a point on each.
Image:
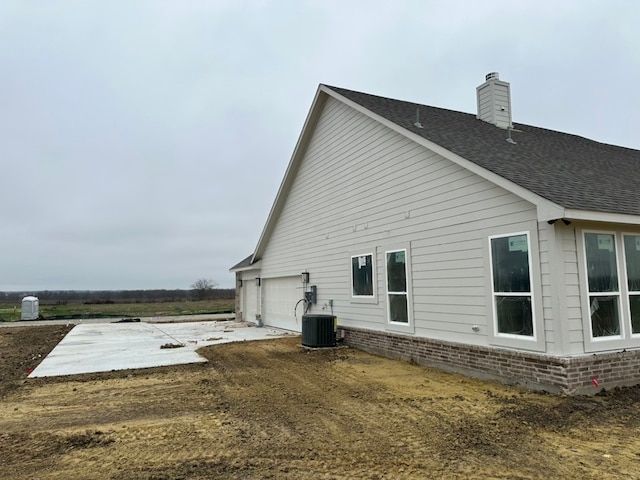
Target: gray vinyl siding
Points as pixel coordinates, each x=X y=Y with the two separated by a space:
x=485 y=104
x=573 y=313
x=494 y=103
x=502 y=100
x=361 y=187
x=545 y=242
x=560 y=289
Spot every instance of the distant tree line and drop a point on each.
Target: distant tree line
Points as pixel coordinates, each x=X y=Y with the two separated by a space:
x=63 y=297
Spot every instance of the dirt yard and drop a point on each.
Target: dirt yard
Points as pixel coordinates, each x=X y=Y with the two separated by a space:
x=270 y=409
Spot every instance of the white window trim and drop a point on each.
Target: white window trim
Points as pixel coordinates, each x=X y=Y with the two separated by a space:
x=401 y=327
x=373 y=274
x=625 y=339
x=624 y=281
x=373 y=299
x=406 y=281
x=527 y=338
x=635 y=293
x=618 y=293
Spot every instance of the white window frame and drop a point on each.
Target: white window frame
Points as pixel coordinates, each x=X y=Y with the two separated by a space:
x=531 y=293
x=405 y=292
x=373 y=299
x=400 y=327
x=618 y=293
x=626 y=339
x=625 y=279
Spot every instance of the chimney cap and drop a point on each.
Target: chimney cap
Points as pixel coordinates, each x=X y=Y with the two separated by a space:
x=492 y=76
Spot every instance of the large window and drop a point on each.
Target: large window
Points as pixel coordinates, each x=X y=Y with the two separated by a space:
x=511 y=282
x=602 y=283
x=362 y=275
x=397 y=296
x=632 y=260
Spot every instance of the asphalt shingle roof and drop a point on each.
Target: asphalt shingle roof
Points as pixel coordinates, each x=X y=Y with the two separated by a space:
x=569 y=170
x=246 y=262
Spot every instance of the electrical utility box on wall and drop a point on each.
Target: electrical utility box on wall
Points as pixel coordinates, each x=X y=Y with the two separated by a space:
x=312 y=295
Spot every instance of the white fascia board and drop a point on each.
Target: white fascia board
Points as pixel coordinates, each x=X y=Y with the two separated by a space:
x=290 y=173
x=546 y=209
x=590 y=215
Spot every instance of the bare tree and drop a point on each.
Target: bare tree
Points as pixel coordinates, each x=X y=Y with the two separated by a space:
x=203 y=287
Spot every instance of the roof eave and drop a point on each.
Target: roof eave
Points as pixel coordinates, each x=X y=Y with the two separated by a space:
x=253 y=266
x=606 y=217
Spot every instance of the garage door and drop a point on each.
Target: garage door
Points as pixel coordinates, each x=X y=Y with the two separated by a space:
x=279 y=297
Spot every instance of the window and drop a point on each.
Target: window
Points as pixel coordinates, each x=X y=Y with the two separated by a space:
x=632 y=261
x=602 y=283
x=511 y=284
x=362 y=272
x=397 y=297
x=611 y=269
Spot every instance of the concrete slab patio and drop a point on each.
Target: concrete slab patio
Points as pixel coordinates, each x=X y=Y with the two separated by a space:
x=103 y=347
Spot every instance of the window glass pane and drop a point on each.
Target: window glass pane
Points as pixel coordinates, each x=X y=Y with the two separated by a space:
x=396 y=271
x=602 y=271
x=514 y=315
x=398 y=308
x=634 y=303
x=604 y=316
x=632 y=257
x=510 y=258
x=362 y=274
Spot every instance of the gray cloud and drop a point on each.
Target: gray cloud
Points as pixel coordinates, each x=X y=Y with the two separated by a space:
x=143 y=142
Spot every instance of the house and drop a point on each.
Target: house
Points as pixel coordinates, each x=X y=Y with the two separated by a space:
x=465 y=242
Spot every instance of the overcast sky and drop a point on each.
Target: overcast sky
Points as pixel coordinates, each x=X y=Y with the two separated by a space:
x=143 y=142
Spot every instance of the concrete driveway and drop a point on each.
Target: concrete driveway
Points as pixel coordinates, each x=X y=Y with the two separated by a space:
x=102 y=347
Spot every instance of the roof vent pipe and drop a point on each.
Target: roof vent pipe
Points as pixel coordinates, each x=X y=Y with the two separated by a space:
x=417 y=124
x=494 y=101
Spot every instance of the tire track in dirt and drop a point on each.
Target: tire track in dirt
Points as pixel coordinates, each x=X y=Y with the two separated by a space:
x=273 y=410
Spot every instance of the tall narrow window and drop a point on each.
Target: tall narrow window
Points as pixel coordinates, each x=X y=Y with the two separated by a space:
x=397 y=298
x=632 y=260
x=602 y=279
x=512 y=295
x=362 y=275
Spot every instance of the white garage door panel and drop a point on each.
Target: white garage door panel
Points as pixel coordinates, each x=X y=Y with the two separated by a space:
x=250 y=300
x=280 y=296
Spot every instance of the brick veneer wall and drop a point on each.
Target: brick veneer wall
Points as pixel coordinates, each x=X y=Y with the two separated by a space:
x=569 y=375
